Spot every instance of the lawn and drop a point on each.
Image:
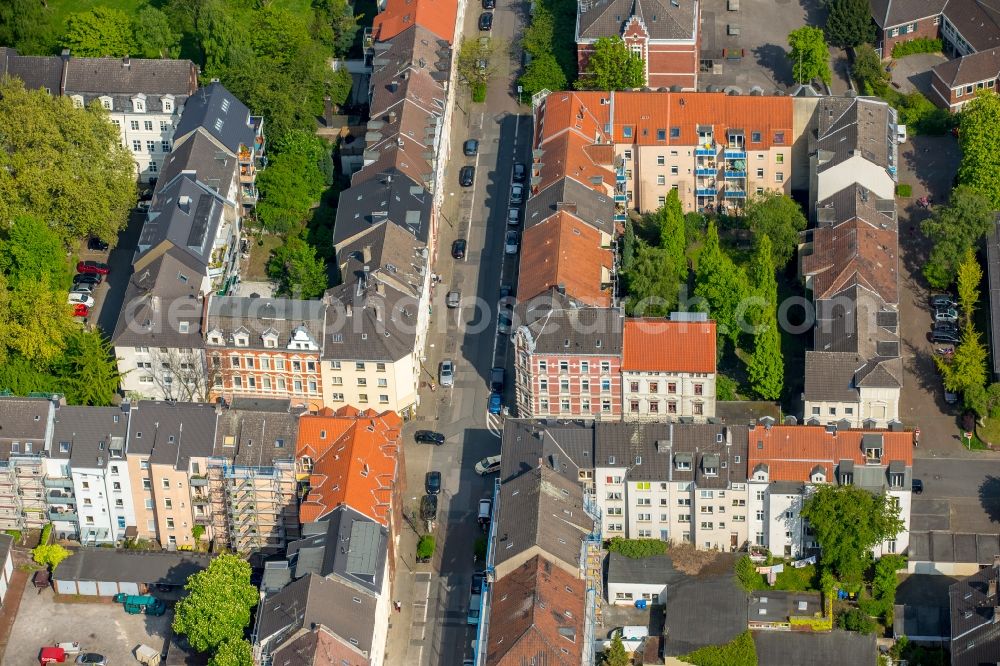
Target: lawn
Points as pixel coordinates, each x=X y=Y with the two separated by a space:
x=259 y=254
x=791 y=579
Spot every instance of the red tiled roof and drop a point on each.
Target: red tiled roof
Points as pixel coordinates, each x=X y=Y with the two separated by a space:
x=564 y=251
x=354 y=456
x=657 y=345
x=854 y=252
x=572 y=154
x=532 y=608
x=791 y=452
x=438 y=16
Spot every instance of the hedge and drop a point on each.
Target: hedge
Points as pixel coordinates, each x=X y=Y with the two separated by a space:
x=478 y=92
x=425 y=547
x=918 y=45
x=637 y=548
x=740 y=651
x=904 y=190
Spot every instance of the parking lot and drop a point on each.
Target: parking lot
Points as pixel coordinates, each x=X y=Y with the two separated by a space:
x=104 y=628
x=914 y=72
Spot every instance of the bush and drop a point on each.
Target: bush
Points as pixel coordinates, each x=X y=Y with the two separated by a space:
x=425 y=547
x=746 y=574
x=725 y=388
x=856 y=619
x=918 y=45
x=904 y=190
x=49 y=555
x=637 y=548
x=46 y=535
x=740 y=651
x=14 y=534
x=478 y=92
x=917 y=112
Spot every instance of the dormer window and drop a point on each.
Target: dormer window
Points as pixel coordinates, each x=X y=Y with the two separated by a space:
x=270 y=342
x=241 y=341
x=818 y=474
x=682 y=461
x=216 y=339
x=139 y=105
x=106 y=103
x=710 y=464
x=873 y=447
x=183 y=326
x=77 y=101
x=168 y=104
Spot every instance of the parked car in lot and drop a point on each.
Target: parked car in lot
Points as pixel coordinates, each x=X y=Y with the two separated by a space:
x=918 y=486
x=92 y=658
x=485 y=511
x=87 y=289
x=96 y=244
x=510 y=242
x=945 y=326
x=458 y=248
x=432 y=483
x=76 y=298
x=945 y=335
x=467 y=176
x=520 y=172
x=486 y=21
x=517 y=194
x=92 y=267
x=943 y=301
x=949 y=315
x=949 y=397
x=470 y=148
x=81 y=310
x=446 y=373
x=429 y=507
x=88 y=278
x=488 y=465
x=495 y=403
x=428 y=437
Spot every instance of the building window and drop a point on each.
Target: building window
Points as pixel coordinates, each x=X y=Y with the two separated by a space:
x=564 y=405
x=779 y=137
x=779 y=158
x=754 y=137
x=363 y=398
x=699 y=389
x=153 y=167
x=634 y=406
x=165 y=482
x=151 y=146
x=671 y=387
x=165 y=145
x=134 y=125
x=627 y=133
x=136 y=146
x=779 y=177
x=671 y=407
x=675 y=132
x=760 y=173
x=170 y=523
x=168 y=503
x=606 y=405
x=543 y=405
x=605 y=367
x=660 y=200
x=661 y=160
x=661 y=179
x=673 y=170
x=699 y=409
x=383 y=398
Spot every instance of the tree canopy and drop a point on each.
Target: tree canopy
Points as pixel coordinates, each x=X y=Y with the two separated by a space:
x=293 y=181
x=234 y=652
x=217 y=606
x=849 y=522
x=297 y=270
x=741 y=651
x=616 y=655
x=766 y=367
x=154 y=36
x=868 y=70
x=101 y=31
x=809 y=55
x=652 y=282
x=542 y=73
x=613 y=66
x=849 y=23
x=723 y=286
x=980 y=163
x=779 y=217
x=953 y=229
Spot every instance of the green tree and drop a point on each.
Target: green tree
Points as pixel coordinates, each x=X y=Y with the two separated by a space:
x=233 y=652
x=154 y=35
x=616 y=655
x=49 y=555
x=965 y=371
x=781 y=218
x=218 y=604
x=335 y=25
x=855 y=619
x=747 y=576
x=670 y=217
x=740 y=651
x=88 y=369
x=542 y=73
x=868 y=71
x=980 y=163
x=629 y=241
x=63 y=165
x=849 y=23
x=101 y=31
x=25 y=26
x=652 y=282
x=475 y=61
x=970 y=275
x=340 y=86
x=613 y=66
x=297 y=270
x=809 y=56
x=721 y=285
x=766 y=367
x=537 y=39
x=293 y=181
x=849 y=522
x=31 y=250
x=954 y=229
x=37 y=320
x=884 y=585
x=763 y=283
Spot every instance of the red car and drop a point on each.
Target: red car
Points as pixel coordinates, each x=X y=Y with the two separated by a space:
x=81 y=310
x=92 y=267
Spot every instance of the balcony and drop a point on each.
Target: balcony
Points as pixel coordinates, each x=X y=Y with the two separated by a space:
x=249 y=195
x=735 y=194
x=59 y=497
x=706 y=192
x=199 y=500
x=736 y=174
x=621 y=198
x=619 y=217
x=735 y=154
x=248 y=174
x=706 y=171
x=67 y=516
x=64 y=483
x=198 y=481
x=245 y=155
x=702 y=151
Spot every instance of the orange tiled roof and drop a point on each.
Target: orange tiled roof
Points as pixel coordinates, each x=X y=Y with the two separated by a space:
x=438 y=16
x=354 y=456
x=658 y=345
x=791 y=452
x=854 y=252
x=564 y=251
x=572 y=154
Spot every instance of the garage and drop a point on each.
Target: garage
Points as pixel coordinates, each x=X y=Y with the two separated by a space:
x=102 y=572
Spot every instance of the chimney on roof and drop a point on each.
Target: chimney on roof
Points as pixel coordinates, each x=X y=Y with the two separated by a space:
x=561 y=288
x=126 y=63
x=392 y=116
x=540 y=463
x=991 y=590
x=554 y=461
x=349 y=309
x=184 y=203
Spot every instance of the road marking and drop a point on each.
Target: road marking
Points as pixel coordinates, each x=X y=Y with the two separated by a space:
x=472 y=207
x=494 y=423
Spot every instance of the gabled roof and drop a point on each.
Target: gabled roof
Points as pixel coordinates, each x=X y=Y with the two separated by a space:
x=848 y=127
x=975 y=613
x=408 y=77
x=536 y=617
x=889 y=13
x=256 y=432
x=391 y=196
x=24 y=419
x=566 y=253
x=567 y=447
x=215 y=110
x=978 y=21
x=663 y=20
x=212 y=166
x=172 y=433
x=437 y=16
x=779 y=648
x=95 y=435
x=969 y=69
x=129 y=76
x=36 y=72
x=188 y=214
x=386 y=252
x=369 y=320
x=318 y=647
x=415 y=49
x=572 y=154
x=576 y=331
x=569 y=194
x=354 y=456
x=294 y=324
x=658 y=345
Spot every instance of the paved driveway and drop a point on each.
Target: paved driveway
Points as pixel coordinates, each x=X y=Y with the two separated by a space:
x=914 y=73
x=959 y=496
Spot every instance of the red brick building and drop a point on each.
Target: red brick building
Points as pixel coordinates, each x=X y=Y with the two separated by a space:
x=665 y=33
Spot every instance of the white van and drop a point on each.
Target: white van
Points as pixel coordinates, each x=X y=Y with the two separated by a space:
x=901 y=133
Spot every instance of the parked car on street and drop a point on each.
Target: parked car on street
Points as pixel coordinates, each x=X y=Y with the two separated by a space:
x=489 y=4
x=520 y=172
x=428 y=437
x=917 y=487
x=517 y=194
x=513 y=216
x=429 y=507
x=486 y=21
x=510 y=242
x=485 y=511
x=432 y=483
x=458 y=248
x=77 y=298
x=446 y=373
x=453 y=299
x=477 y=583
x=495 y=404
x=470 y=148
x=475 y=605
x=943 y=301
x=488 y=465
x=92 y=267
x=504 y=322
x=81 y=310
x=88 y=278
x=497 y=376
x=467 y=176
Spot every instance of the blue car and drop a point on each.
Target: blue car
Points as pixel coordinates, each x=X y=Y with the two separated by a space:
x=495 y=403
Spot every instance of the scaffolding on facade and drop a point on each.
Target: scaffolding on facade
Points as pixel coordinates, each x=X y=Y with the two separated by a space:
x=253 y=508
x=22 y=493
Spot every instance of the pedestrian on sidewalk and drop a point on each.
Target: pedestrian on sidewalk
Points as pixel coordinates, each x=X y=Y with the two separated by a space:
x=398 y=606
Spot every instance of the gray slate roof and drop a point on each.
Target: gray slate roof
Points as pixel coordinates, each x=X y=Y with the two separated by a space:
x=344 y=544
x=390 y=253
x=781 y=648
x=589 y=205
x=131 y=566
x=219 y=113
x=36 y=71
x=577 y=331
x=954 y=547
x=849 y=125
x=779 y=605
x=285 y=318
x=188 y=214
x=172 y=433
x=655 y=570
x=662 y=19
x=567 y=447
x=250 y=434
x=23 y=420
x=314 y=600
x=704 y=610
x=970 y=69
x=128 y=76
x=95 y=435
x=372 y=323
x=391 y=196
x=889 y=13
x=212 y=166
x=977 y=20
x=160 y=294
x=975 y=618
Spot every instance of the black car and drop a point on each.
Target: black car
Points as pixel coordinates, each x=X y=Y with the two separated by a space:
x=918 y=486
x=458 y=248
x=88 y=278
x=945 y=326
x=497 y=379
x=950 y=337
x=477 y=583
x=428 y=437
x=429 y=507
x=520 y=172
x=96 y=244
x=489 y=4
x=470 y=148
x=432 y=483
x=467 y=176
x=486 y=21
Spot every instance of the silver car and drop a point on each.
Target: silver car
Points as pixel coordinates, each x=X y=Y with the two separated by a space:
x=517 y=194
x=446 y=374
x=513 y=216
x=453 y=299
x=510 y=242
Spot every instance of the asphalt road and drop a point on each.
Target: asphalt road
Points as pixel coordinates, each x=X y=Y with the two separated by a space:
x=108 y=303
x=958 y=496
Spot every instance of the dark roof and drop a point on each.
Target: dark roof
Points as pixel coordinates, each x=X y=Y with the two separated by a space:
x=655 y=570
x=977 y=21
x=318 y=647
x=251 y=435
x=975 y=618
x=704 y=610
x=567 y=447
x=36 y=71
x=736 y=412
x=922 y=621
x=417 y=50
x=95 y=435
x=387 y=252
x=779 y=605
x=836 y=376
x=781 y=648
x=128 y=76
x=172 y=433
x=576 y=331
x=343 y=544
x=367 y=321
x=969 y=69
x=583 y=202
x=168 y=283
x=23 y=419
x=314 y=600
x=541 y=508
x=292 y=324
x=854 y=125
x=212 y=166
x=889 y=13
x=219 y=113
x=392 y=196
x=131 y=566
x=649 y=451
x=662 y=20
x=965 y=548
x=188 y=214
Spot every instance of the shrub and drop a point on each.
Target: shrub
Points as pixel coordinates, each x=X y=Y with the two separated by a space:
x=740 y=651
x=637 y=548
x=904 y=190
x=14 y=534
x=746 y=574
x=918 y=45
x=46 y=535
x=725 y=388
x=856 y=619
x=478 y=92
x=425 y=547
x=49 y=555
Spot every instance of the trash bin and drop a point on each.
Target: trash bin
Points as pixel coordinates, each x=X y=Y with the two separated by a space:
x=640 y=604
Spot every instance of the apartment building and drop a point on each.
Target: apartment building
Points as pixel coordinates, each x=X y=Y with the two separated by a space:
x=666 y=35
x=396 y=16
x=787 y=462
x=974 y=615
x=668 y=368
x=956 y=81
x=169 y=444
x=27 y=432
x=265 y=347
x=568 y=363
